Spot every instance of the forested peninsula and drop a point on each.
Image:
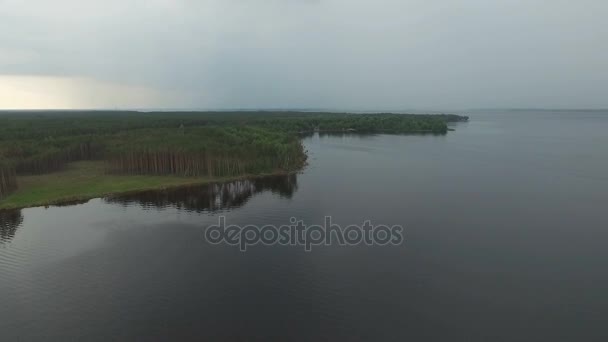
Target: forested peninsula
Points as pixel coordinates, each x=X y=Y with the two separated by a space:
x=50 y=157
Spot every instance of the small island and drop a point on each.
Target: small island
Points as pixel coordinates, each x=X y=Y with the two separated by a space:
x=52 y=157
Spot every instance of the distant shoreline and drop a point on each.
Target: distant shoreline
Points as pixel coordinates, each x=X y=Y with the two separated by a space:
x=537 y=110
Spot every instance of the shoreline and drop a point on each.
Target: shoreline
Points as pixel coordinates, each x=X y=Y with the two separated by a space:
x=161 y=183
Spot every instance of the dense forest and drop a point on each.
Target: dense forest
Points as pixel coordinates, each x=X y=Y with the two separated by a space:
x=8 y=180
x=203 y=151
x=180 y=143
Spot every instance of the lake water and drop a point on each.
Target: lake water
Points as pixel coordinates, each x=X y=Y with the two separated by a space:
x=506 y=239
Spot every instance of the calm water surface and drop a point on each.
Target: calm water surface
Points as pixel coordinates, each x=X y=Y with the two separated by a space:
x=506 y=239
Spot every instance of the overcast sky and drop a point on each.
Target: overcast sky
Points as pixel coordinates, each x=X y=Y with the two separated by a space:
x=347 y=54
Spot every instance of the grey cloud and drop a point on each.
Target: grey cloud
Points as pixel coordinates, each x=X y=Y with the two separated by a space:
x=332 y=53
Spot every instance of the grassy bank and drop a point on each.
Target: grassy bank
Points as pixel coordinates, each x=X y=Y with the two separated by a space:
x=87 y=179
